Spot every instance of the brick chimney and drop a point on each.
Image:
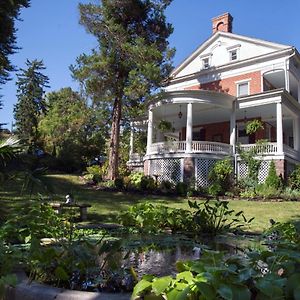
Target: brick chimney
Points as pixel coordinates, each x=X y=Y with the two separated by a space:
x=222 y=23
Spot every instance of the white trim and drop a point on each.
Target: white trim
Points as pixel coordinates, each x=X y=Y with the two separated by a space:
x=234 y=47
x=242 y=82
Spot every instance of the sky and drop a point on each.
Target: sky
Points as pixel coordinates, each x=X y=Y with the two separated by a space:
x=50 y=31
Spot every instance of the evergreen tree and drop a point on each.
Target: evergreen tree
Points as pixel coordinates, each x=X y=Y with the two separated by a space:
x=9 y=12
x=131 y=63
x=30 y=92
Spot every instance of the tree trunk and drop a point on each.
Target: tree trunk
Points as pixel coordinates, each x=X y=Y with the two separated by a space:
x=113 y=159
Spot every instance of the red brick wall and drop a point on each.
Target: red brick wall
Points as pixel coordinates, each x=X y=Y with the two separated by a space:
x=228 y=85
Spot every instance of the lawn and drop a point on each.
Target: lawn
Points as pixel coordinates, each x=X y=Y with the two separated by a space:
x=106 y=205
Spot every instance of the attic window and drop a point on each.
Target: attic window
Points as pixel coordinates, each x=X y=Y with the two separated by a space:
x=233 y=55
x=205 y=63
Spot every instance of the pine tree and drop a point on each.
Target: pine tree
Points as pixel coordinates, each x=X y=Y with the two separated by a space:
x=9 y=12
x=31 y=84
x=131 y=63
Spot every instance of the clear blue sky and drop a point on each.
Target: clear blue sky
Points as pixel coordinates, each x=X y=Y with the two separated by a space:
x=50 y=31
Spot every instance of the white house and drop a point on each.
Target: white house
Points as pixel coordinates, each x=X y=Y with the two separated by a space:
x=229 y=80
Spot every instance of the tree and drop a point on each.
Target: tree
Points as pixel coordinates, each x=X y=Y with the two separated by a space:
x=9 y=12
x=30 y=93
x=131 y=63
x=70 y=130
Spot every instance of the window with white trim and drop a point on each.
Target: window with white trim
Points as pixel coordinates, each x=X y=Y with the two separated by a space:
x=243 y=88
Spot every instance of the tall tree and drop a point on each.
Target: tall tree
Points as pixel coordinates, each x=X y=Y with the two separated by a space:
x=9 y=12
x=131 y=63
x=70 y=129
x=30 y=93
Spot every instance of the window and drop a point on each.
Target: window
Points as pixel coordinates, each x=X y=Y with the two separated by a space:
x=243 y=89
x=205 y=63
x=233 y=55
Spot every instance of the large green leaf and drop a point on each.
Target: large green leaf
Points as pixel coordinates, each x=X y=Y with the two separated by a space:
x=292 y=284
x=141 y=286
x=225 y=292
x=206 y=290
x=187 y=276
x=160 y=285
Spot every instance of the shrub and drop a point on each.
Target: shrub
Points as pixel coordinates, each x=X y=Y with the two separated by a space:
x=96 y=173
x=294 y=179
x=135 y=179
x=166 y=186
x=221 y=174
x=147 y=183
x=272 y=179
x=181 y=189
x=215 y=189
x=119 y=183
x=267 y=191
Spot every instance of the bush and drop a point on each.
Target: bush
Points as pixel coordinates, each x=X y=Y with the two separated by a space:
x=294 y=179
x=119 y=183
x=147 y=183
x=267 y=191
x=134 y=180
x=272 y=179
x=221 y=174
x=215 y=189
x=181 y=189
x=96 y=172
x=166 y=186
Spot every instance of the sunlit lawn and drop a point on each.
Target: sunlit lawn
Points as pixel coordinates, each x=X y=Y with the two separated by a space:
x=106 y=205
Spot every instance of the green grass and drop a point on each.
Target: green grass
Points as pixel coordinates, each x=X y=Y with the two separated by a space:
x=107 y=205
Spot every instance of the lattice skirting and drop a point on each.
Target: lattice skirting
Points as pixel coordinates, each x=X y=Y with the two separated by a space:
x=242 y=170
x=202 y=169
x=169 y=169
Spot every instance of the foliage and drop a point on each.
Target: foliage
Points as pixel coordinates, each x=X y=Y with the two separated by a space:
x=133 y=60
x=220 y=174
x=164 y=126
x=181 y=189
x=32 y=220
x=253 y=126
x=166 y=186
x=134 y=180
x=284 y=232
x=72 y=263
x=30 y=105
x=96 y=173
x=119 y=183
x=214 y=217
x=147 y=183
x=9 y=12
x=8 y=150
x=272 y=179
x=71 y=131
x=294 y=179
x=267 y=191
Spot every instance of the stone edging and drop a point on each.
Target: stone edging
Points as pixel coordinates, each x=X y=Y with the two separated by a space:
x=37 y=291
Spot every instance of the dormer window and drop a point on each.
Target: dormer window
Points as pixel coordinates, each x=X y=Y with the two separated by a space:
x=205 y=63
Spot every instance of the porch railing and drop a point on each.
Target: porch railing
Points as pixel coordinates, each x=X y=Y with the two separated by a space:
x=197 y=147
x=268 y=148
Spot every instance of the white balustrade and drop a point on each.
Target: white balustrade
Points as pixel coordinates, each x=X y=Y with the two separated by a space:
x=268 y=148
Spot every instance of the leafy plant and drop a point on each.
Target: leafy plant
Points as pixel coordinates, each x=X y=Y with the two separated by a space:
x=253 y=126
x=119 y=183
x=164 y=126
x=95 y=173
x=272 y=179
x=294 y=179
x=214 y=217
x=181 y=189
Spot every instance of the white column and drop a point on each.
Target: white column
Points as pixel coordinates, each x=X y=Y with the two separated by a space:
x=131 y=139
x=233 y=128
x=296 y=133
x=150 y=131
x=189 y=128
x=279 y=128
x=287 y=77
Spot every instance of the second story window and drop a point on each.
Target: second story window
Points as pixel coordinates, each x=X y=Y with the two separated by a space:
x=243 y=89
x=205 y=63
x=233 y=55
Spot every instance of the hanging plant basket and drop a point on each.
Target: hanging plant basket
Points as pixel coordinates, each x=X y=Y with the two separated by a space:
x=165 y=126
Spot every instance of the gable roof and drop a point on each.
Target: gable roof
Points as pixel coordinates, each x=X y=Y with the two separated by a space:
x=218 y=34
